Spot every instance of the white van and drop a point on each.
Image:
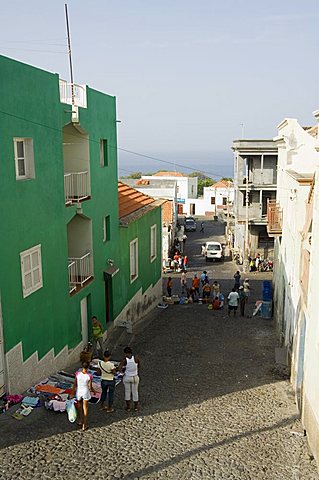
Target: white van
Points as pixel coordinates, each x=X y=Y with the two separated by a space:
x=213 y=250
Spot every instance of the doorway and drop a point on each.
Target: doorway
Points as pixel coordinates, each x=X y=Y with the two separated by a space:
x=108 y=299
x=2 y=368
x=192 y=208
x=84 y=321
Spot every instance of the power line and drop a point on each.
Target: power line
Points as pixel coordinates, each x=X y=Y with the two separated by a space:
x=111 y=146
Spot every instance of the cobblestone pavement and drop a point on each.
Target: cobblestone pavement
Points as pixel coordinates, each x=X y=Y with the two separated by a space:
x=212 y=407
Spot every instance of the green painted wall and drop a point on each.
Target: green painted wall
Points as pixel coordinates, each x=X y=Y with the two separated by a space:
x=148 y=272
x=33 y=212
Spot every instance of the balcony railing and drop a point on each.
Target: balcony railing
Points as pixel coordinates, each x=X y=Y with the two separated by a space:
x=76 y=187
x=274 y=219
x=72 y=272
x=73 y=94
x=80 y=271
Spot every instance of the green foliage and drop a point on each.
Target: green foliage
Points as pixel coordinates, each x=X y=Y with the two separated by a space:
x=204 y=182
x=134 y=175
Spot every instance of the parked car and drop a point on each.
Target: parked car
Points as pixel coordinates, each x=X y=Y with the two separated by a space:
x=213 y=251
x=190 y=225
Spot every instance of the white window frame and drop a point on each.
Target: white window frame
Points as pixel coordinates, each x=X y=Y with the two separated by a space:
x=133 y=260
x=153 y=242
x=27 y=158
x=29 y=268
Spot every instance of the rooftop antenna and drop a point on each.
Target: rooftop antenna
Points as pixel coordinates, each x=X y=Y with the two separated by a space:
x=242 y=130
x=69 y=50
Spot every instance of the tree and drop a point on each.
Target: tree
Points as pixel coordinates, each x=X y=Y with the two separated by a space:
x=204 y=182
x=134 y=175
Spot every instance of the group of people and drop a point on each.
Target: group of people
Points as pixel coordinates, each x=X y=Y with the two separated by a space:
x=83 y=384
x=201 y=288
x=179 y=262
x=239 y=295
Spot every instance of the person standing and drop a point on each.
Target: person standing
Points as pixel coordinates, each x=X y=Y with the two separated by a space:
x=107 y=369
x=202 y=227
x=169 y=286
x=203 y=278
x=81 y=390
x=242 y=300
x=131 y=365
x=216 y=289
x=233 y=298
x=195 y=285
x=206 y=292
x=183 y=282
x=185 y=262
x=246 y=288
x=97 y=336
x=237 y=278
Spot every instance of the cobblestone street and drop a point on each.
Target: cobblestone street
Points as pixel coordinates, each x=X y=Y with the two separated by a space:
x=212 y=405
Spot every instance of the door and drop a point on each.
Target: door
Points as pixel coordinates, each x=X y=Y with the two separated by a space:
x=301 y=359
x=2 y=371
x=192 y=209
x=108 y=297
x=84 y=321
x=180 y=209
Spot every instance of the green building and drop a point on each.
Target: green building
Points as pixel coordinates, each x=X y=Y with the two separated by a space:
x=64 y=255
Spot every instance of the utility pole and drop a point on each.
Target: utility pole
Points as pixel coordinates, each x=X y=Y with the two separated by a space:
x=227 y=220
x=215 y=217
x=246 y=249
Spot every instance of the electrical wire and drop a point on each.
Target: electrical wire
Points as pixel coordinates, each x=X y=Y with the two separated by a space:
x=211 y=174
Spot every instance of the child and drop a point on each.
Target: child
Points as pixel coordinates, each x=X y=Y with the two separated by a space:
x=169 y=286
x=216 y=304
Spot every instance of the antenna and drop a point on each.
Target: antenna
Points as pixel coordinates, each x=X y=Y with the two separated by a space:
x=69 y=50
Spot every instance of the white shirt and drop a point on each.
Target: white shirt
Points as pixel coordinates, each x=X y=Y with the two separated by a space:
x=233 y=299
x=131 y=367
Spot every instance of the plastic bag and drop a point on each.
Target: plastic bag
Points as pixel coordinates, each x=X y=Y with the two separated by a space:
x=71 y=410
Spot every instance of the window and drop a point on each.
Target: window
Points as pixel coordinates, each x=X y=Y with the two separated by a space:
x=153 y=243
x=224 y=200
x=106 y=229
x=212 y=200
x=24 y=158
x=134 y=260
x=103 y=153
x=31 y=270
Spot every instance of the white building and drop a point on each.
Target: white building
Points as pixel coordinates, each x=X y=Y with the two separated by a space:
x=186 y=186
x=293 y=219
x=219 y=197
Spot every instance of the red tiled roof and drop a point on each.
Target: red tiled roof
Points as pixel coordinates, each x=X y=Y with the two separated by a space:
x=131 y=200
x=168 y=174
x=222 y=184
x=313 y=131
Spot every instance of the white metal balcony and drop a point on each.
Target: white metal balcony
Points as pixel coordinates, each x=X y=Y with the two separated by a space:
x=80 y=271
x=72 y=272
x=73 y=94
x=76 y=187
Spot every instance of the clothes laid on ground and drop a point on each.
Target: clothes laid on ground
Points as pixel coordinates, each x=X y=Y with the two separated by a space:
x=31 y=401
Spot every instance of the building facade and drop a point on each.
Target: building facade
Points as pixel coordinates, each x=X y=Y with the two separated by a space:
x=293 y=220
x=60 y=230
x=255 y=183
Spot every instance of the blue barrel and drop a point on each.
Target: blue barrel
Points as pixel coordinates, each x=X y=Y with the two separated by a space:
x=266 y=310
x=267 y=291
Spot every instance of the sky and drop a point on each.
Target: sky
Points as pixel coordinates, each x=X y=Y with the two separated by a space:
x=190 y=76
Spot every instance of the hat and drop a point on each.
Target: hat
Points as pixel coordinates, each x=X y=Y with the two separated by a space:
x=241 y=288
x=246 y=279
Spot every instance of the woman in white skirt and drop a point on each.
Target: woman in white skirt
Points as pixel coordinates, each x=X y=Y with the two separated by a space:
x=130 y=365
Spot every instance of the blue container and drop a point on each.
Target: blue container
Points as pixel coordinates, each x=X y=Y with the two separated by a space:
x=266 y=310
x=267 y=291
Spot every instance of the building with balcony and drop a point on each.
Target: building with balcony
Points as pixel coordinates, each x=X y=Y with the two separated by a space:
x=255 y=183
x=63 y=257
x=294 y=224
